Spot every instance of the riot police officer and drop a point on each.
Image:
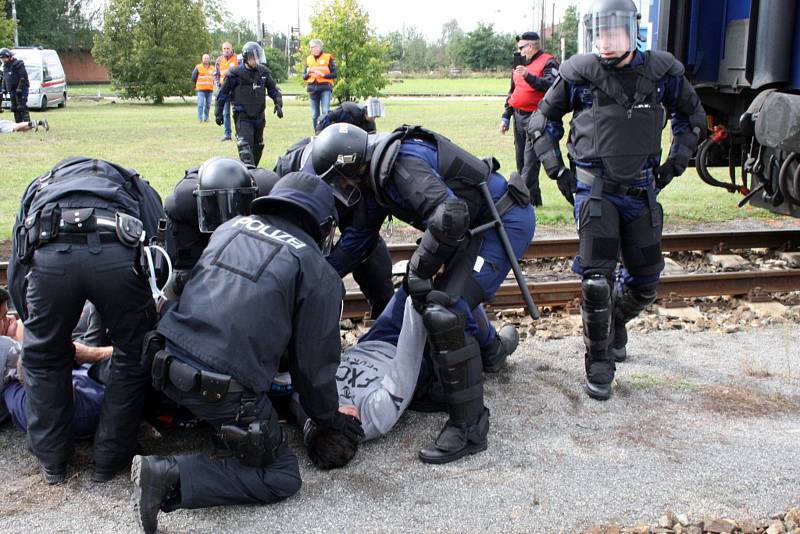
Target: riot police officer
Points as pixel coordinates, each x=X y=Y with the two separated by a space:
x=265 y=279
x=15 y=81
x=618 y=95
x=372 y=266
x=425 y=179
x=77 y=238
x=247 y=87
x=218 y=184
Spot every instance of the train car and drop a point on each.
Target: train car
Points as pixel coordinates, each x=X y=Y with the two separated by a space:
x=743 y=57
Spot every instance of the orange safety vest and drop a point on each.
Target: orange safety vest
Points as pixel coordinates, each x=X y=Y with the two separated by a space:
x=205 y=78
x=321 y=63
x=224 y=65
x=524 y=96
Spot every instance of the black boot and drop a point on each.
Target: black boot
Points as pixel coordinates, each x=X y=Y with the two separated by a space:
x=156 y=483
x=54 y=475
x=505 y=343
x=600 y=370
x=458 y=440
x=617 y=349
x=599 y=392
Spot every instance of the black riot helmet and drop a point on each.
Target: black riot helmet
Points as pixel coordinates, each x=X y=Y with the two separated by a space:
x=611 y=28
x=339 y=155
x=308 y=199
x=265 y=180
x=253 y=49
x=225 y=189
x=6 y=53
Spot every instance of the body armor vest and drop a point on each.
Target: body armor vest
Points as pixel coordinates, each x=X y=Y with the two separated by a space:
x=251 y=92
x=623 y=126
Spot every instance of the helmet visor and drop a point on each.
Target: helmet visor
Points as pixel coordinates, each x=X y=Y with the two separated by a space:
x=328 y=230
x=258 y=53
x=609 y=32
x=216 y=206
x=344 y=189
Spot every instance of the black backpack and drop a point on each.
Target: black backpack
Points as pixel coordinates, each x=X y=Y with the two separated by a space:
x=76 y=182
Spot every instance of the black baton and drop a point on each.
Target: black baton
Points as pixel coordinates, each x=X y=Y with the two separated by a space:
x=497 y=224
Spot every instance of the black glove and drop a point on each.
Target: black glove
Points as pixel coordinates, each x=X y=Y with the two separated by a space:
x=417 y=288
x=278 y=111
x=664 y=174
x=567 y=185
x=348 y=425
x=219 y=120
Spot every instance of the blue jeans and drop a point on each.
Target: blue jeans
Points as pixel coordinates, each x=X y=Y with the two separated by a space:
x=203 y=104
x=320 y=105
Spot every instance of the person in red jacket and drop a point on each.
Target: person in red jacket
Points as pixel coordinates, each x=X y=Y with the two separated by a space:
x=533 y=75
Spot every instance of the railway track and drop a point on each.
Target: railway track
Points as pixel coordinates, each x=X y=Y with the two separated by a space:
x=566 y=292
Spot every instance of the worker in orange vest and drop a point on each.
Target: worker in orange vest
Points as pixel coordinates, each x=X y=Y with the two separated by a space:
x=203 y=80
x=534 y=73
x=224 y=63
x=319 y=74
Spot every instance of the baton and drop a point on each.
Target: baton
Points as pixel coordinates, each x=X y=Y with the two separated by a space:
x=497 y=224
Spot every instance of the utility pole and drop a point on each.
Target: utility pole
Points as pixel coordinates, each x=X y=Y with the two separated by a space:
x=258 y=22
x=14 y=19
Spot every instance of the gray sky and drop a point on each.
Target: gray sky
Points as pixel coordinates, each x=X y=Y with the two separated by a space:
x=428 y=16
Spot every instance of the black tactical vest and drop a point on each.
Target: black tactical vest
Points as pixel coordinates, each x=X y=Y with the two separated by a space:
x=251 y=93
x=623 y=126
x=462 y=172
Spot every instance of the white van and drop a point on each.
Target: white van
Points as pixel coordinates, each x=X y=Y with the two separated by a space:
x=46 y=76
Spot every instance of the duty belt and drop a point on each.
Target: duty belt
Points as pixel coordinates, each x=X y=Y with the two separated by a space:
x=599 y=185
x=213 y=387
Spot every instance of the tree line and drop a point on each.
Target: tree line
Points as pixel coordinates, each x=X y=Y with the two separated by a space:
x=149 y=46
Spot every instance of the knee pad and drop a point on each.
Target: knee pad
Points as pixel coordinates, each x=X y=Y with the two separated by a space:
x=596 y=311
x=445 y=328
x=632 y=301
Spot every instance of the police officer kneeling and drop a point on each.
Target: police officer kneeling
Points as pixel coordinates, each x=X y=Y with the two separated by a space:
x=262 y=287
x=618 y=95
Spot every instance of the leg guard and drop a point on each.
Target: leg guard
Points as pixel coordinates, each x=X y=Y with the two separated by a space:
x=627 y=306
x=245 y=153
x=457 y=362
x=596 y=313
x=257 y=153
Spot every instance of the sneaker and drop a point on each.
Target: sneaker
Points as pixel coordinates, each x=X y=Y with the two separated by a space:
x=43 y=124
x=226 y=139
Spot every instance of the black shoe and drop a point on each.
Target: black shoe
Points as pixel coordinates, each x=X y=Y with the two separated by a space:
x=54 y=475
x=505 y=343
x=156 y=481
x=599 y=392
x=617 y=349
x=104 y=473
x=458 y=440
x=226 y=139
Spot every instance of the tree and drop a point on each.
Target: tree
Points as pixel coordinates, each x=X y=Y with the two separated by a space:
x=483 y=49
x=360 y=57
x=450 y=42
x=236 y=32
x=151 y=46
x=58 y=24
x=6 y=27
x=277 y=63
x=568 y=29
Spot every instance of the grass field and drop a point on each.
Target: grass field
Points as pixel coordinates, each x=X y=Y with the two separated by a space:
x=161 y=141
x=398 y=87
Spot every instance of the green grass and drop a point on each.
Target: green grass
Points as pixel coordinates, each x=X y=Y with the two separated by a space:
x=161 y=141
x=396 y=87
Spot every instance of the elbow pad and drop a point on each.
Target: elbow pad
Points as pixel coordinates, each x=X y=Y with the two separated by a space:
x=545 y=148
x=446 y=227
